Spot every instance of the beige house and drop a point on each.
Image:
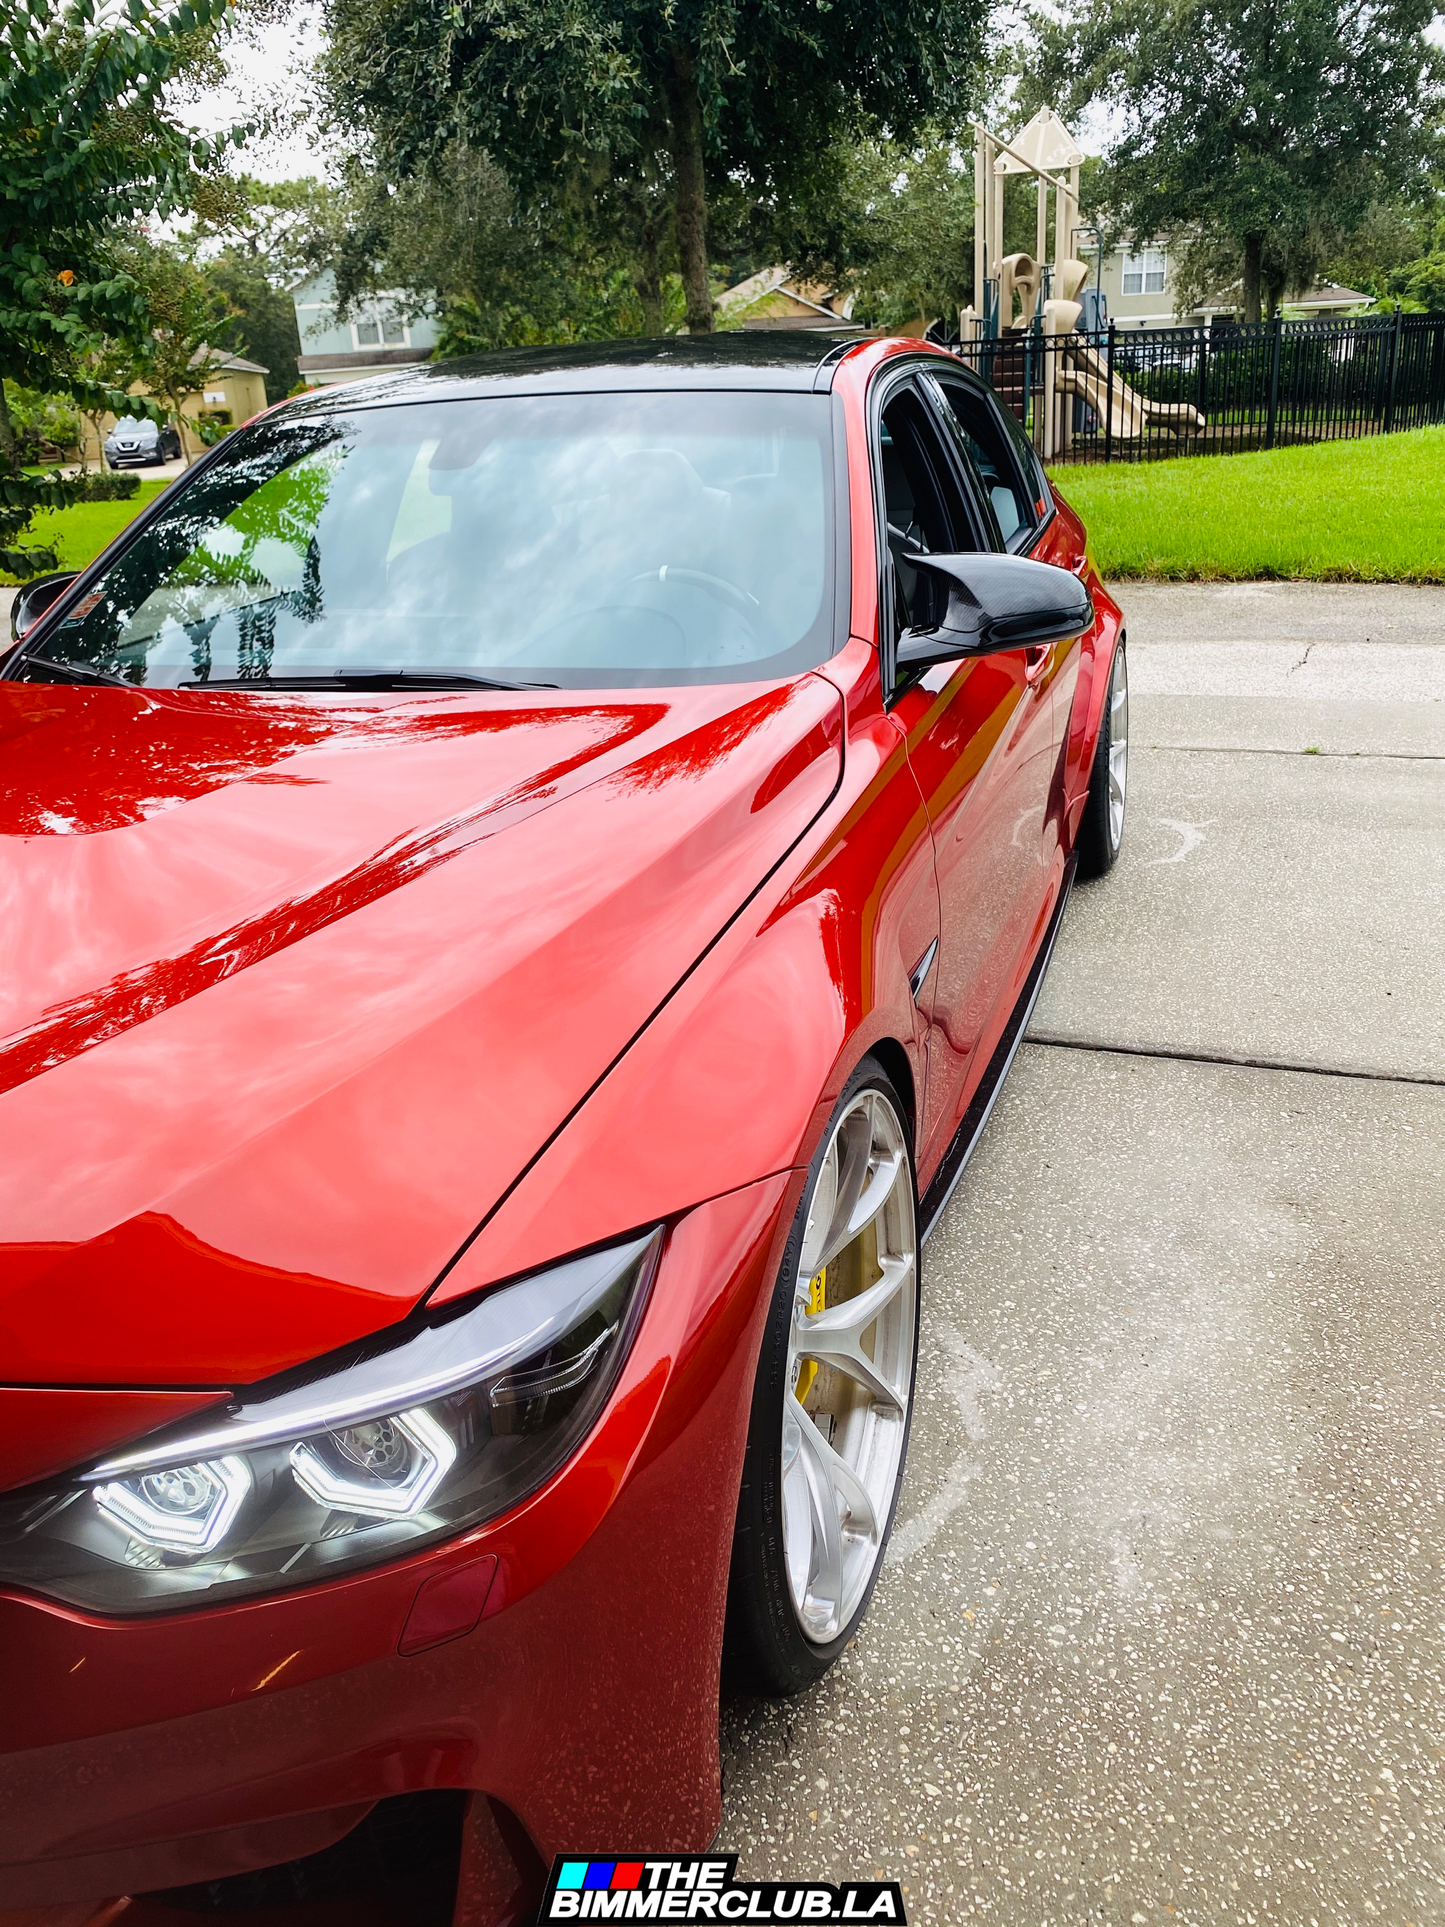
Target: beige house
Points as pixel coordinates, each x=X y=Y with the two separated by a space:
x=232 y=393
x=1137 y=279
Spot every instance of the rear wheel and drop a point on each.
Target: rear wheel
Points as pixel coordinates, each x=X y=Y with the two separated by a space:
x=1101 y=830
x=832 y=1400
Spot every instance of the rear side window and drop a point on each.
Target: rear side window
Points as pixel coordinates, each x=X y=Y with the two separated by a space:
x=1012 y=490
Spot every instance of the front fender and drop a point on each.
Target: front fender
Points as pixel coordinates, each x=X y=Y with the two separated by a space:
x=734 y=1079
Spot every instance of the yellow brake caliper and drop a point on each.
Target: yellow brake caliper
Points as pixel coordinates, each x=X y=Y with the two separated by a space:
x=808 y=1370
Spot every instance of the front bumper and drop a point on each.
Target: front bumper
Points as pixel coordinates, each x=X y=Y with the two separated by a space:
x=147 y=1754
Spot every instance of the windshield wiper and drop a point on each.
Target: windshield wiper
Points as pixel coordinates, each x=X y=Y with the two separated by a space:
x=367 y=679
x=83 y=672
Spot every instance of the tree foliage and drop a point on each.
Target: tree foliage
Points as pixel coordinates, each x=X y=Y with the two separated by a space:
x=669 y=97
x=190 y=324
x=262 y=319
x=255 y=243
x=499 y=273
x=1254 y=132
x=86 y=144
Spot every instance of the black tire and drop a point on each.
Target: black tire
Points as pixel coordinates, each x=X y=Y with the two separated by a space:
x=1101 y=828
x=765 y=1648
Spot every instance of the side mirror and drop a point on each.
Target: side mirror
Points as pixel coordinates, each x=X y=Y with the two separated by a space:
x=995 y=602
x=35 y=598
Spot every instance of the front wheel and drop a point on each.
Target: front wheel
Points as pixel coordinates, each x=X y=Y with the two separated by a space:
x=832 y=1399
x=1101 y=829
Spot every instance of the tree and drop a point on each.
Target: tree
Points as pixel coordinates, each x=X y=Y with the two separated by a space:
x=256 y=241
x=896 y=224
x=683 y=92
x=1252 y=130
x=111 y=367
x=190 y=322
x=455 y=237
x=86 y=144
x=263 y=319
x=1390 y=235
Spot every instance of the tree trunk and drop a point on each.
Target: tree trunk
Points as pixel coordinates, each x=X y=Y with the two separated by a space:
x=175 y=402
x=9 y=453
x=648 y=278
x=1253 y=275
x=690 y=189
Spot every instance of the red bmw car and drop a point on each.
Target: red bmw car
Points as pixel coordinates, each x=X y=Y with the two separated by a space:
x=523 y=881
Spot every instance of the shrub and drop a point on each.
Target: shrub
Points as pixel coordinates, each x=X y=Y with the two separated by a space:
x=108 y=488
x=44 y=425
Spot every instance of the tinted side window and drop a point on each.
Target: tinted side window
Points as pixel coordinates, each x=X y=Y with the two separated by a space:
x=988 y=449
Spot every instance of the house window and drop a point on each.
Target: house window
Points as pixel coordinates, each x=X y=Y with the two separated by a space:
x=1144 y=272
x=381 y=328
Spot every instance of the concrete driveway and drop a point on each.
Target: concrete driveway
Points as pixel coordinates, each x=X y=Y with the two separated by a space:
x=1160 y=1634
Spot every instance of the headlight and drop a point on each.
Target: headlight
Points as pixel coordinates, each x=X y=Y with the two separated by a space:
x=358 y=1458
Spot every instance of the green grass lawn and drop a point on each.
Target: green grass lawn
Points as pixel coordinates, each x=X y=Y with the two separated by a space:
x=1371 y=510
x=79 y=534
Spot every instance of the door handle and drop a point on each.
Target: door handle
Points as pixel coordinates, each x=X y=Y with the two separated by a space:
x=1036 y=661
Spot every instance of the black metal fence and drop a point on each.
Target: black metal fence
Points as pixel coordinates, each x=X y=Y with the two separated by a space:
x=1136 y=394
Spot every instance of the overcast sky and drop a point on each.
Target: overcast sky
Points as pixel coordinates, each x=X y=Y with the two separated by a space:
x=268 y=67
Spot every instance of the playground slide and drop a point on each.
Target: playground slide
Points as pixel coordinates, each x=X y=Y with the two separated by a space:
x=1086 y=373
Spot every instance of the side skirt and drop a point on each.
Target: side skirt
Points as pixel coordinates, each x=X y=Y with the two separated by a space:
x=970 y=1130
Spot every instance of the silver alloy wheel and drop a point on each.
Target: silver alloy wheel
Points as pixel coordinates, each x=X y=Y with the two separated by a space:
x=850 y=1366
x=1118 y=746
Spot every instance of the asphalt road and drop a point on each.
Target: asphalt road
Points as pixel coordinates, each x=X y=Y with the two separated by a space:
x=1160 y=1634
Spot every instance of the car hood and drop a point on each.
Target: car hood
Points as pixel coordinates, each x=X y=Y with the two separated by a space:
x=294 y=990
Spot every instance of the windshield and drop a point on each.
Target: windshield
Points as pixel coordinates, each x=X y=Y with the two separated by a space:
x=578 y=541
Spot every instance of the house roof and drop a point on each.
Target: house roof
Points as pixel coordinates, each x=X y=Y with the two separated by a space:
x=228 y=364
x=1329 y=294
x=778 y=298
x=345 y=358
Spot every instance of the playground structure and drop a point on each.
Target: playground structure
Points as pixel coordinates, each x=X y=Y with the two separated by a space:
x=1044 y=381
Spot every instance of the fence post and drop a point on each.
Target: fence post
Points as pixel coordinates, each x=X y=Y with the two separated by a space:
x=1436 y=407
x=1273 y=415
x=1109 y=399
x=1394 y=369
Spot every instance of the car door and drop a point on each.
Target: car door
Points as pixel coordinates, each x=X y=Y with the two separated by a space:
x=1005 y=469
x=979 y=736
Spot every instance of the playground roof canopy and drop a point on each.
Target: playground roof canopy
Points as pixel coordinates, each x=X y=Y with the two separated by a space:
x=1044 y=145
